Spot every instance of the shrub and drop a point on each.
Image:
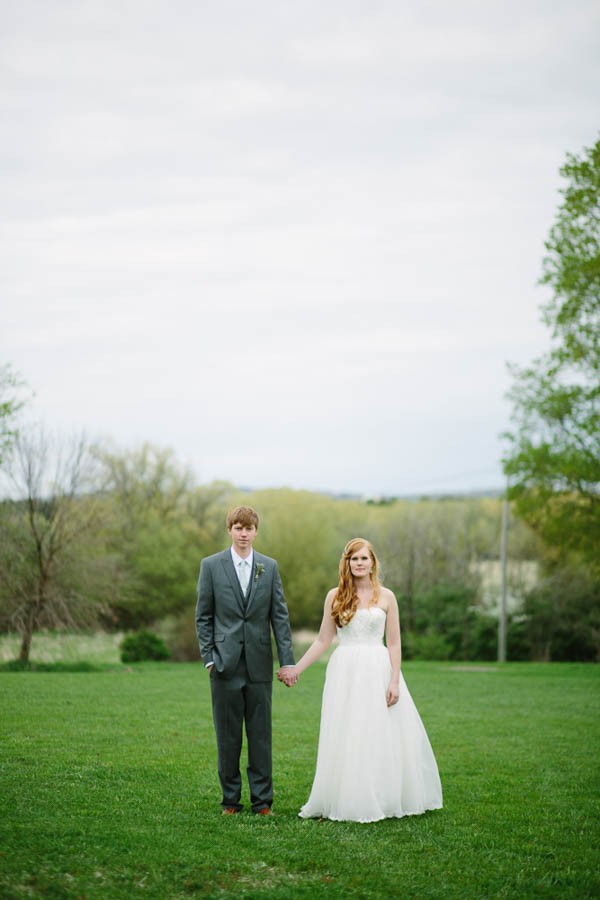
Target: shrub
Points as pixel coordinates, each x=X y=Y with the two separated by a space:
x=562 y=616
x=179 y=634
x=143 y=645
x=431 y=646
x=481 y=640
x=518 y=648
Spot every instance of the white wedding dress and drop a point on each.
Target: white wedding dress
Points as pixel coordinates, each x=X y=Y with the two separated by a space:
x=373 y=762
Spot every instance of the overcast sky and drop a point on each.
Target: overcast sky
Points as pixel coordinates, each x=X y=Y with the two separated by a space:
x=295 y=242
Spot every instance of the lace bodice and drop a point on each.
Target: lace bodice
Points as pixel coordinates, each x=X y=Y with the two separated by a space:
x=366 y=627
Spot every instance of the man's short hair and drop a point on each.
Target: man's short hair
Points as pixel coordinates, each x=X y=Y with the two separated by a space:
x=242 y=515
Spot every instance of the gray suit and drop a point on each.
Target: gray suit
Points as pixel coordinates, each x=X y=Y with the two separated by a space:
x=234 y=633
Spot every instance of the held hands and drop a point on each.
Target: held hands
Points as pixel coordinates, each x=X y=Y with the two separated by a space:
x=288 y=675
x=392 y=694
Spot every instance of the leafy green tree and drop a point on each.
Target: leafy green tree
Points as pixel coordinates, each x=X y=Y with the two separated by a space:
x=207 y=505
x=300 y=530
x=553 y=460
x=159 y=528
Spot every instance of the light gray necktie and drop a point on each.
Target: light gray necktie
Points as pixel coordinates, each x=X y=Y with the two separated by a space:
x=244 y=576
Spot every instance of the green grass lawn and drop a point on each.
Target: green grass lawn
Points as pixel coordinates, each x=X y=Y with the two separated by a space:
x=109 y=789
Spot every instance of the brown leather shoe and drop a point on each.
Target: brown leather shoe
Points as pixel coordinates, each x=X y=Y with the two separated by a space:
x=265 y=812
x=230 y=811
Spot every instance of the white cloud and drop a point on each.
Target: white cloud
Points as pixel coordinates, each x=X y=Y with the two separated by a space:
x=338 y=209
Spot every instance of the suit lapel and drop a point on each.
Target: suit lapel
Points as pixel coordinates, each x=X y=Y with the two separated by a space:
x=232 y=576
x=253 y=579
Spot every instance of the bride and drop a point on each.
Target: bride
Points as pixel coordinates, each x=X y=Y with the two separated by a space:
x=374 y=759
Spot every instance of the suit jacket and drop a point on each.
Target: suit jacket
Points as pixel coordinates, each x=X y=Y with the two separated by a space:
x=227 y=623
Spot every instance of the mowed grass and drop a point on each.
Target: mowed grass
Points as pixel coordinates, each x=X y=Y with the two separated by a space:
x=109 y=789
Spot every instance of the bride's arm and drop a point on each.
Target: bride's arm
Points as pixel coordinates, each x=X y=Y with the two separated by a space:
x=321 y=642
x=394 y=646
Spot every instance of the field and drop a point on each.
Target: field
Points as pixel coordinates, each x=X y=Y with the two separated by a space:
x=109 y=790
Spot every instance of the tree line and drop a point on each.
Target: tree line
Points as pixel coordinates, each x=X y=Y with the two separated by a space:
x=96 y=537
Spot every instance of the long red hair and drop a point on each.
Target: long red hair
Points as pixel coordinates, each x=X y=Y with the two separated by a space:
x=345 y=602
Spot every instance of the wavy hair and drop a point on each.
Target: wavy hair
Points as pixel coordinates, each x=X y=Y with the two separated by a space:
x=345 y=602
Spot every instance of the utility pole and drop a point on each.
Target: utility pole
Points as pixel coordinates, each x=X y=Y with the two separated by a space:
x=503 y=586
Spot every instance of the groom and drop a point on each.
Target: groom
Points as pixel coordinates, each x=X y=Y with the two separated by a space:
x=240 y=598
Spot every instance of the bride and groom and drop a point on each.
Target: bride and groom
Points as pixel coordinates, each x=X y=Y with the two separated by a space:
x=374 y=758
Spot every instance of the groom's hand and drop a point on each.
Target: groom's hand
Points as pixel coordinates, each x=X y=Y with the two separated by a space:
x=288 y=675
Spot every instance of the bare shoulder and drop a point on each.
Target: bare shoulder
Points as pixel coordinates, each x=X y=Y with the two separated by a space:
x=387 y=599
x=330 y=598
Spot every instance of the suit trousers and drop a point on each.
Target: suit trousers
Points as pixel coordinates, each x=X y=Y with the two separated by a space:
x=237 y=701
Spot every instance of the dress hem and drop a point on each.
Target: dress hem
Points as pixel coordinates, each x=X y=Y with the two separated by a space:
x=369 y=821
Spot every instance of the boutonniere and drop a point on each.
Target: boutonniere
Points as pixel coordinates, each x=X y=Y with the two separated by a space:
x=258 y=570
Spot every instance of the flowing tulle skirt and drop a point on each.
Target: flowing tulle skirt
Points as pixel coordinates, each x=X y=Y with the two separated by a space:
x=373 y=762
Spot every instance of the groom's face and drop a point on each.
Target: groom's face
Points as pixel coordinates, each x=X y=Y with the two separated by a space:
x=242 y=538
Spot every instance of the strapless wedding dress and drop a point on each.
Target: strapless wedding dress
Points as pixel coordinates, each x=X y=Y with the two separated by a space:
x=373 y=762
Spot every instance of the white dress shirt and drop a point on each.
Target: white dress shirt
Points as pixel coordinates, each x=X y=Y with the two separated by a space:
x=238 y=559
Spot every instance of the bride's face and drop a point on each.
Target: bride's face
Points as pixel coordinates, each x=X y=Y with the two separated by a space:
x=361 y=562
